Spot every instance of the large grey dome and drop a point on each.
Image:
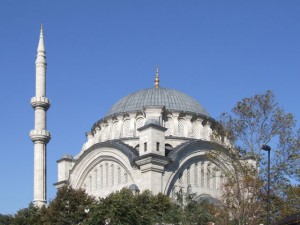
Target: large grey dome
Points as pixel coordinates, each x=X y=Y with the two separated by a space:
x=170 y=98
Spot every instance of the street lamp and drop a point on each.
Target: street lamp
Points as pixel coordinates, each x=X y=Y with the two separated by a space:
x=268 y=149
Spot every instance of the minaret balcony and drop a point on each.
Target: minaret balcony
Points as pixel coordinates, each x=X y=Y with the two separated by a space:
x=40 y=135
x=40 y=101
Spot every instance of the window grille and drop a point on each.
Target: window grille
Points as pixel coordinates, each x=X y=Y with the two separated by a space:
x=119 y=175
x=194 y=126
x=126 y=128
x=101 y=176
x=188 y=175
x=112 y=174
x=180 y=177
x=208 y=175
x=115 y=130
x=139 y=123
x=214 y=181
x=126 y=178
x=106 y=175
x=181 y=124
x=196 y=174
x=202 y=174
x=96 y=179
x=168 y=125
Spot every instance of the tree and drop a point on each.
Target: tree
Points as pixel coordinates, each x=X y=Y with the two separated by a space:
x=190 y=210
x=6 y=219
x=290 y=203
x=127 y=208
x=70 y=206
x=31 y=215
x=253 y=122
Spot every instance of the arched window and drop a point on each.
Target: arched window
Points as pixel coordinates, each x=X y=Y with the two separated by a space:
x=101 y=176
x=168 y=149
x=202 y=174
x=196 y=174
x=115 y=130
x=195 y=128
x=119 y=175
x=157 y=146
x=168 y=125
x=208 y=175
x=104 y=132
x=181 y=127
x=221 y=182
x=96 y=179
x=173 y=192
x=188 y=175
x=139 y=123
x=126 y=178
x=112 y=171
x=180 y=177
x=126 y=128
x=214 y=179
x=106 y=174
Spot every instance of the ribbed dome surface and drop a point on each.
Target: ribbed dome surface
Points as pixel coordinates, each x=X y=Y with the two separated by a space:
x=170 y=98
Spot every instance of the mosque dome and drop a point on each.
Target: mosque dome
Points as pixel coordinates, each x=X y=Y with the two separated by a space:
x=173 y=100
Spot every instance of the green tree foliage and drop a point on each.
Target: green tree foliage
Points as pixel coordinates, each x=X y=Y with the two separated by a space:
x=6 y=219
x=253 y=122
x=31 y=215
x=190 y=211
x=69 y=207
x=260 y=120
x=124 y=207
x=289 y=204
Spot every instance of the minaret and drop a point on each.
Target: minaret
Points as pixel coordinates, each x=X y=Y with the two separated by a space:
x=40 y=136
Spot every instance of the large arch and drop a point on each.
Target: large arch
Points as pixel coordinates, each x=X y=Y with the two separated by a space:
x=114 y=157
x=188 y=159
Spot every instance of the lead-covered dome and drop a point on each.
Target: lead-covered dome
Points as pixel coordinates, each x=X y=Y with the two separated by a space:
x=172 y=99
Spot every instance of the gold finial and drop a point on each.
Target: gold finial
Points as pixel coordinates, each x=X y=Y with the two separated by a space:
x=156 y=82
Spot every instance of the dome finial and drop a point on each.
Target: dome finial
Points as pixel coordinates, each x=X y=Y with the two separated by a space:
x=156 y=82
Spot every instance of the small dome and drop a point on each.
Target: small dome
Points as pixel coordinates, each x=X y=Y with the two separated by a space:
x=173 y=100
x=67 y=156
x=134 y=188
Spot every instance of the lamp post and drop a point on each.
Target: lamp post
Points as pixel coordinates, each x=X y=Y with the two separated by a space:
x=268 y=149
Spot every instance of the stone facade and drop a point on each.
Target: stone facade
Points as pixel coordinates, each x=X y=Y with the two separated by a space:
x=148 y=141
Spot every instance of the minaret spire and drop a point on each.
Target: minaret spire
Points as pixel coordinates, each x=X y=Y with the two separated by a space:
x=40 y=136
x=156 y=81
x=41 y=46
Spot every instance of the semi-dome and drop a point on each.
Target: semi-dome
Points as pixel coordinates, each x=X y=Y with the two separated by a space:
x=172 y=99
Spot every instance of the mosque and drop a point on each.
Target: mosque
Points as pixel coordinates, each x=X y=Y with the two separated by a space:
x=155 y=139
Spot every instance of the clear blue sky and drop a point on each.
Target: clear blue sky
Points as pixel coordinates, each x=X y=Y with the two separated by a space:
x=99 y=51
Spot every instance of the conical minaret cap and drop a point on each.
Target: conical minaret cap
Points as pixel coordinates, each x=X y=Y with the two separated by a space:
x=41 y=46
x=41 y=52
